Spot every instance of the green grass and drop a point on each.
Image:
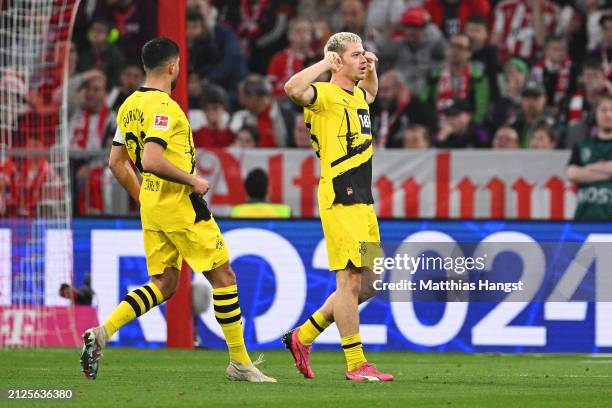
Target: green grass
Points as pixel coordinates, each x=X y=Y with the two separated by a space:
x=168 y=378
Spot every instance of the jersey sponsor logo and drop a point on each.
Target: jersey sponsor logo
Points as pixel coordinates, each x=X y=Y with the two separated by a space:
x=594 y=195
x=364 y=121
x=585 y=154
x=161 y=122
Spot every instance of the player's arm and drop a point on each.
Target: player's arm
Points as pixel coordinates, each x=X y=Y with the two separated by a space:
x=370 y=82
x=121 y=167
x=298 y=87
x=586 y=174
x=153 y=161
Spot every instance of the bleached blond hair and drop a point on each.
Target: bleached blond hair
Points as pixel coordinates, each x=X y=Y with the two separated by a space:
x=337 y=42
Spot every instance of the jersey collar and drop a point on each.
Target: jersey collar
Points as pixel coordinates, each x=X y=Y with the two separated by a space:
x=145 y=89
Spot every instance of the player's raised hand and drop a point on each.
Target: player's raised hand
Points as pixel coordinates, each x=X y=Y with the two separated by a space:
x=333 y=60
x=200 y=186
x=372 y=60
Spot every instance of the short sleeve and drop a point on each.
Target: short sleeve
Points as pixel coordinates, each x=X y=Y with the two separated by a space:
x=160 y=123
x=317 y=103
x=575 y=158
x=118 y=139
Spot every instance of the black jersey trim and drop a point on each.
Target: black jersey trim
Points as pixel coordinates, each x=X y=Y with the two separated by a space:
x=365 y=96
x=314 y=97
x=145 y=89
x=118 y=144
x=348 y=92
x=157 y=140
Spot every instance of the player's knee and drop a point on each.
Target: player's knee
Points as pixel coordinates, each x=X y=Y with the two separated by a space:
x=367 y=292
x=222 y=276
x=349 y=282
x=167 y=282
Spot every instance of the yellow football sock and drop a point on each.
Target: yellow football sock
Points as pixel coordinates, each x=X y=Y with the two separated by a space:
x=134 y=304
x=312 y=328
x=227 y=313
x=353 y=351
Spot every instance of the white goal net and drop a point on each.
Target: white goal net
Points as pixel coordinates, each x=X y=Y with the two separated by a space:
x=35 y=199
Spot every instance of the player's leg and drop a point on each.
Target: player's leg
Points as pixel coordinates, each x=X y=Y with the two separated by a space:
x=229 y=316
x=322 y=318
x=227 y=310
x=205 y=250
x=346 y=315
x=163 y=261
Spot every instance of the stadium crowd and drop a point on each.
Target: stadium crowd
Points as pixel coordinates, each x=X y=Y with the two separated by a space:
x=452 y=74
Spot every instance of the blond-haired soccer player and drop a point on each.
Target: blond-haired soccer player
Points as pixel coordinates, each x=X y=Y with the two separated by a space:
x=337 y=115
x=154 y=134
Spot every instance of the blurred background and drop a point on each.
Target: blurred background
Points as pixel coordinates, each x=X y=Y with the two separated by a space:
x=482 y=108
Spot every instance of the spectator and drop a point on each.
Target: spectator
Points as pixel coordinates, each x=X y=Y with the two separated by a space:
x=284 y=64
x=130 y=79
x=458 y=129
x=99 y=54
x=256 y=186
x=247 y=138
x=354 y=21
x=508 y=105
x=262 y=111
x=420 y=49
x=532 y=114
x=604 y=51
x=36 y=187
x=214 y=130
x=521 y=26
x=325 y=11
x=590 y=167
x=395 y=109
x=81 y=296
x=383 y=15
x=194 y=90
x=506 y=138
x=261 y=26
x=457 y=79
x=135 y=22
x=581 y=113
x=214 y=53
x=594 y=29
x=451 y=16
x=94 y=121
x=483 y=52
x=558 y=75
x=573 y=25
x=544 y=137
x=301 y=134
x=416 y=137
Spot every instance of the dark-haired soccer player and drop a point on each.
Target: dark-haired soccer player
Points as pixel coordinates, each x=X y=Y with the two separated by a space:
x=338 y=117
x=154 y=134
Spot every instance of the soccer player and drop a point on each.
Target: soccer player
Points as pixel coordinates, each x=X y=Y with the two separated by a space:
x=338 y=117
x=154 y=134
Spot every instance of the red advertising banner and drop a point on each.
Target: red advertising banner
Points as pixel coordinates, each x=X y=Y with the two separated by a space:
x=466 y=184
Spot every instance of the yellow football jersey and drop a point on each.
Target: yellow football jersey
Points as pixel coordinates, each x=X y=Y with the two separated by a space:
x=151 y=116
x=341 y=136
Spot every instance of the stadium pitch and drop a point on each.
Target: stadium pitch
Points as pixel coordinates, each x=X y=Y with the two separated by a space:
x=170 y=378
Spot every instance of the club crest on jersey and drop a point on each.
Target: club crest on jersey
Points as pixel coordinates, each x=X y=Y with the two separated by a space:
x=161 y=122
x=349 y=191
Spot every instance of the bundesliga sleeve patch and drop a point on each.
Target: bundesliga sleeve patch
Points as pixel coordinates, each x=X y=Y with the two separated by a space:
x=161 y=122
